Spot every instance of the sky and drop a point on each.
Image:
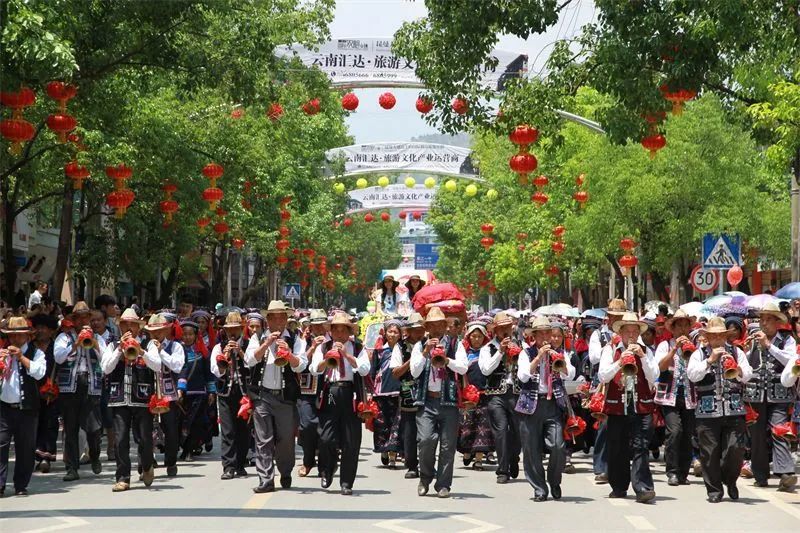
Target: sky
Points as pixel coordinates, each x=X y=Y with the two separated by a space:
x=381 y=18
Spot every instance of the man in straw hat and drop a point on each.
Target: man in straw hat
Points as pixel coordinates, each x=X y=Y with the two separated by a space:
x=228 y=364
x=339 y=426
x=413 y=331
x=77 y=352
x=276 y=390
x=23 y=364
x=502 y=389
x=131 y=377
x=677 y=397
x=629 y=407
x=720 y=412
x=308 y=433
x=773 y=349
x=542 y=403
x=600 y=339
x=437 y=398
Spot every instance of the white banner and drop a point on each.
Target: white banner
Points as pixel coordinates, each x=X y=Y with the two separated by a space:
x=393 y=196
x=404 y=157
x=369 y=62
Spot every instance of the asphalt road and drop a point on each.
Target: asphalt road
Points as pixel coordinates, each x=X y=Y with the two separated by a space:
x=196 y=500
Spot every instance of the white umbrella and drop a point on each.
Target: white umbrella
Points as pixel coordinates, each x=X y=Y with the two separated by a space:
x=558 y=310
x=695 y=309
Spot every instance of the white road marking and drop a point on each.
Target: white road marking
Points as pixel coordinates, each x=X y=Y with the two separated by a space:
x=483 y=527
x=67 y=522
x=772 y=498
x=618 y=502
x=394 y=524
x=640 y=523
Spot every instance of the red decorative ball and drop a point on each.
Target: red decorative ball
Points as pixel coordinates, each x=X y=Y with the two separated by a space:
x=350 y=101
x=387 y=100
x=424 y=105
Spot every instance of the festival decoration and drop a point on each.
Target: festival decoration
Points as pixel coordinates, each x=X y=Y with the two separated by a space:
x=77 y=173
x=430 y=182
x=362 y=183
x=387 y=100
x=539 y=198
x=559 y=231
x=471 y=190
x=350 y=102
x=16 y=129
x=212 y=194
x=385 y=217
x=275 y=111
x=383 y=181
x=312 y=107
x=581 y=197
x=168 y=206
x=653 y=143
x=451 y=186
x=410 y=182
x=61 y=122
x=735 y=275
x=677 y=97
x=460 y=105
x=339 y=187
x=424 y=105
x=368 y=218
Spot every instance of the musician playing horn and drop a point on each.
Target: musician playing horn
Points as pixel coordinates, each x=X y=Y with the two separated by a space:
x=630 y=371
x=720 y=411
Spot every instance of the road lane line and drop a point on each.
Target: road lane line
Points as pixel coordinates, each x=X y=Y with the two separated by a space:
x=394 y=524
x=774 y=500
x=483 y=527
x=618 y=502
x=67 y=522
x=256 y=502
x=640 y=523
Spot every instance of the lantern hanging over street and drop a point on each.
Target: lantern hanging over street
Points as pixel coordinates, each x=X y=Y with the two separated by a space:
x=559 y=231
x=212 y=194
x=653 y=143
x=385 y=217
x=202 y=223
x=677 y=98
x=581 y=197
x=387 y=100
x=628 y=261
x=275 y=111
x=77 y=173
x=168 y=206
x=557 y=247
x=487 y=242
x=524 y=135
x=460 y=106
x=541 y=181
x=539 y=198
x=221 y=228
x=237 y=243
x=487 y=228
x=627 y=244
x=61 y=122
x=350 y=102
x=368 y=218
x=424 y=104
x=312 y=107
x=16 y=129
x=735 y=275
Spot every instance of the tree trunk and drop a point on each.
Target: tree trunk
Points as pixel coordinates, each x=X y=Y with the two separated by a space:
x=64 y=242
x=9 y=265
x=619 y=276
x=660 y=286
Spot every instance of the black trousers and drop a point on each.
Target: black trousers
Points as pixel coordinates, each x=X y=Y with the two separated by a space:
x=235 y=432
x=628 y=442
x=505 y=430
x=721 y=451
x=171 y=426
x=761 y=438
x=678 y=443
x=309 y=429
x=339 y=428
x=142 y=420
x=80 y=410
x=408 y=430
x=20 y=425
x=47 y=433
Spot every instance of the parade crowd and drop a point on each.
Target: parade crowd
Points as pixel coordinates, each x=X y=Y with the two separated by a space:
x=520 y=391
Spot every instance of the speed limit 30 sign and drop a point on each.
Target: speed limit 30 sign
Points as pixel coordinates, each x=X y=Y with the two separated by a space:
x=704 y=280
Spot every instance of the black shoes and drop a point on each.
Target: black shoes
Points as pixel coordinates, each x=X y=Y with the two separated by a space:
x=347 y=490
x=97 y=466
x=714 y=498
x=540 y=498
x=760 y=484
x=556 y=492
x=646 y=496
x=412 y=474
x=72 y=475
x=172 y=471
x=502 y=479
x=672 y=480
x=226 y=475
x=514 y=470
x=21 y=492
x=266 y=487
x=733 y=492
x=787 y=482
x=325 y=481
x=422 y=488
x=615 y=494
x=286 y=482
x=241 y=472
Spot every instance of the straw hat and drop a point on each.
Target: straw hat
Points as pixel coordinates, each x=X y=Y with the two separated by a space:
x=502 y=319
x=773 y=309
x=395 y=283
x=541 y=323
x=17 y=324
x=629 y=319
x=343 y=319
x=415 y=277
x=715 y=325
x=415 y=320
x=157 y=322
x=80 y=308
x=318 y=316
x=278 y=306
x=129 y=315
x=617 y=307
x=233 y=321
x=680 y=314
x=435 y=315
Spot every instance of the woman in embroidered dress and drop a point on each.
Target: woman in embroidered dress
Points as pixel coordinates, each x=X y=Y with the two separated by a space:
x=386 y=425
x=475 y=439
x=196 y=390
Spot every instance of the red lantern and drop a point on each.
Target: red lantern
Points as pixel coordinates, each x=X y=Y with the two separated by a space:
x=284 y=231
x=221 y=228
x=460 y=105
x=310 y=253
x=212 y=195
x=482 y=274
x=347 y=222
x=368 y=218
x=282 y=260
x=237 y=113
x=581 y=197
x=297 y=265
x=553 y=271
x=119 y=174
x=387 y=100
x=304 y=282
x=628 y=261
x=18 y=131
x=402 y=215
x=521 y=247
x=385 y=217
x=19 y=100
x=238 y=243
x=311 y=266
x=61 y=124
x=487 y=228
x=487 y=242
x=540 y=181
x=285 y=215
x=539 y=198
x=677 y=98
x=350 y=102
x=557 y=247
x=559 y=230
x=417 y=215
x=654 y=143
x=424 y=105
x=580 y=180
x=524 y=135
x=312 y=107
x=282 y=245
x=77 y=173
x=274 y=111
x=523 y=163
x=168 y=208
x=61 y=92
x=655 y=118
x=522 y=236
x=627 y=244
x=735 y=275
x=203 y=222
x=120 y=200
x=213 y=171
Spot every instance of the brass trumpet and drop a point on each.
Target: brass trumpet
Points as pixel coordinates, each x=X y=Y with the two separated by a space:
x=438 y=357
x=687 y=350
x=130 y=349
x=282 y=357
x=332 y=358
x=730 y=368
x=629 y=367
x=86 y=339
x=796 y=368
x=557 y=363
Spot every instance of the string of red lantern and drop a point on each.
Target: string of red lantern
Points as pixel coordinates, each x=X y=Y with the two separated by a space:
x=212 y=194
x=168 y=206
x=16 y=129
x=121 y=197
x=487 y=241
x=523 y=162
x=581 y=196
x=77 y=173
x=61 y=122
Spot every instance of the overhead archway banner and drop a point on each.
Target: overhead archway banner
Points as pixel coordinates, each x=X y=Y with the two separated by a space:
x=393 y=196
x=429 y=158
x=369 y=62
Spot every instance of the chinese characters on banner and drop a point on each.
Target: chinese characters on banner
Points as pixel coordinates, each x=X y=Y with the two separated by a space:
x=404 y=156
x=393 y=196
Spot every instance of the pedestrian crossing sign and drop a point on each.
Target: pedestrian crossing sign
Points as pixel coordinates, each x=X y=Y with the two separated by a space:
x=721 y=251
x=291 y=291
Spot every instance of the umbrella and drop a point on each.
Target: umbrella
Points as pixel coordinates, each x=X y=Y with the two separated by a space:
x=653 y=306
x=723 y=304
x=692 y=308
x=790 y=291
x=758 y=301
x=594 y=313
x=558 y=310
x=735 y=293
x=224 y=310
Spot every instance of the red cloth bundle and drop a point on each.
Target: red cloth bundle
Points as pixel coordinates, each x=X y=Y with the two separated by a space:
x=513 y=351
x=574 y=427
x=581 y=346
x=245 y=408
x=282 y=356
x=470 y=396
x=596 y=404
x=48 y=390
x=158 y=405
x=750 y=414
x=367 y=410
x=785 y=431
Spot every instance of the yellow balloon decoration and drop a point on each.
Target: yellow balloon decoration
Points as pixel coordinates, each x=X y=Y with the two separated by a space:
x=471 y=190
x=411 y=182
x=451 y=186
x=430 y=182
x=339 y=187
x=383 y=181
x=491 y=194
x=362 y=183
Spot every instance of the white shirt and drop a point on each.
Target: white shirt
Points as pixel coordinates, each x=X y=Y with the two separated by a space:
x=787 y=379
x=609 y=368
x=35 y=298
x=113 y=352
x=63 y=347
x=174 y=361
x=317 y=366
x=273 y=375
x=524 y=370
x=787 y=354
x=418 y=360
x=595 y=346
x=698 y=367
x=10 y=390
